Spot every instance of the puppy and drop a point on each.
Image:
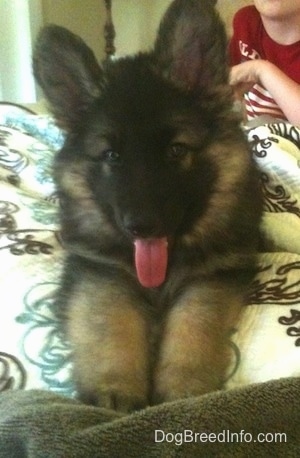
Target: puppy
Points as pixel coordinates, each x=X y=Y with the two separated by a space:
x=160 y=209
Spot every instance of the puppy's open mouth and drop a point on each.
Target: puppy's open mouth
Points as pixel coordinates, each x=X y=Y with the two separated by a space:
x=151 y=261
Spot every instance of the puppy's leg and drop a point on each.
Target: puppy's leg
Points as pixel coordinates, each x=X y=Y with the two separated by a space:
x=109 y=332
x=195 y=352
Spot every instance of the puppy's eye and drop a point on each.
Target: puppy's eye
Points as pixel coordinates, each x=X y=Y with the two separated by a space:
x=177 y=151
x=111 y=157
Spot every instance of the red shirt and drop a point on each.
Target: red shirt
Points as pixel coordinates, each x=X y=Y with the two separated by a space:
x=251 y=41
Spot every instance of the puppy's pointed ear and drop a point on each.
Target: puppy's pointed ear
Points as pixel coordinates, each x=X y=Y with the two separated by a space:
x=68 y=73
x=191 y=44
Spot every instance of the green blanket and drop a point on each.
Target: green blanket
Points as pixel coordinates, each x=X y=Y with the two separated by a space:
x=261 y=420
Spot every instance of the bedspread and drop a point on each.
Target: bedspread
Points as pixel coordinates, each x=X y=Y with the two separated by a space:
x=266 y=344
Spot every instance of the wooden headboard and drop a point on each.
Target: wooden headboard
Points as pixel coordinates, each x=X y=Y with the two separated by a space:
x=109 y=31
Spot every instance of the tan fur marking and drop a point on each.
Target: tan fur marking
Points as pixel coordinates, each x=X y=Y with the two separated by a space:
x=73 y=180
x=194 y=352
x=109 y=337
x=232 y=164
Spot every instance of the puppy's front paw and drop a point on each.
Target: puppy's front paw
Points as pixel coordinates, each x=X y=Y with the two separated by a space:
x=119 y=398
x=110 y=348
x=182 y=382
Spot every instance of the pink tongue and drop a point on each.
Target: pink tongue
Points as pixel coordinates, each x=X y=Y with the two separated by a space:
x=151 y=259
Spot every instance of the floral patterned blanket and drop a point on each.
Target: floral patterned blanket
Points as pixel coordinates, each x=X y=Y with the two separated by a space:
x=33 y=354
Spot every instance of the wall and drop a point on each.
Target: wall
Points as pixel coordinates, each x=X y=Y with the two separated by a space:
x=83 y=17
x=19 y=21
x=136 y=21
x=227 y=8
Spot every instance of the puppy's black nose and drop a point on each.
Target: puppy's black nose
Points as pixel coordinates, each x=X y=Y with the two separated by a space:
x=141 y=226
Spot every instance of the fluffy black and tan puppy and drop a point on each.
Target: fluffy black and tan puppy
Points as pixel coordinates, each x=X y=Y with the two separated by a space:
x=160 y=209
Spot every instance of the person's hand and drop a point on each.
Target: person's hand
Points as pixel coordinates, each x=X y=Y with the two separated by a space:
x=243 y=76
x=247 y=72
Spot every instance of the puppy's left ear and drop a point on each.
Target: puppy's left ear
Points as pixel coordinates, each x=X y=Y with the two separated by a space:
x=191 y=45
x=67 y=70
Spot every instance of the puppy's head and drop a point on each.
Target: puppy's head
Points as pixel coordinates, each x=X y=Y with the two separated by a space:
x=138 y=130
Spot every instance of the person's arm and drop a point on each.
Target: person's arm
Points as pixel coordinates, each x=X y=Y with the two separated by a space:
x=283 y=89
